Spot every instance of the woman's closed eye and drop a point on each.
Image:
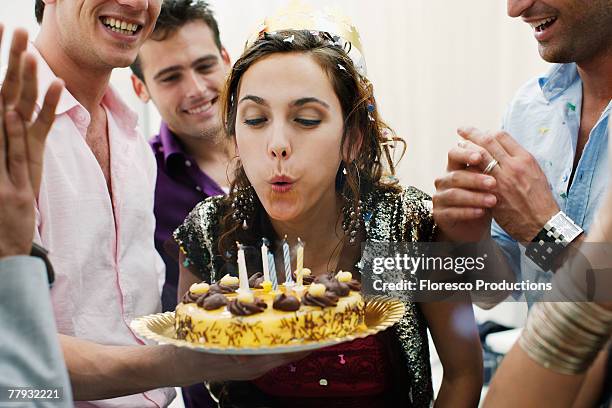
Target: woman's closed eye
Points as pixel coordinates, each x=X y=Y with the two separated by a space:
x=308 y=122
x=255 y=122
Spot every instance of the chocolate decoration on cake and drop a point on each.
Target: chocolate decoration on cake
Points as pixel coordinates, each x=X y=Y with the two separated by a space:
x=239 y=308
x=183 y=328
x=332 y=284
x=339 y=288
x=354 y=285
x=306 y=279
x=189 y=297
x=212 y=301
x=220 y=288
x=255 y=280
x=323 y=278
x=329 y=299
x=286 y=303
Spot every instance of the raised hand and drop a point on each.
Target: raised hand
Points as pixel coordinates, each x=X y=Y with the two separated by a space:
x=21 y=145
x=19 y=93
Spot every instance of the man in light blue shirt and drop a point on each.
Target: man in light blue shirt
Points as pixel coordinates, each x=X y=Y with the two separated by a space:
x=547 y=170
x=544 y=118
x=551 y=155
x=32 y=368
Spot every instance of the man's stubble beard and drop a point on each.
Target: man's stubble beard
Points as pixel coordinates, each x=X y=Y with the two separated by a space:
x=212 y=134
x=584 y=40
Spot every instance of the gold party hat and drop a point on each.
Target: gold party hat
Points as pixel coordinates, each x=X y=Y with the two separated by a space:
x=300 y=16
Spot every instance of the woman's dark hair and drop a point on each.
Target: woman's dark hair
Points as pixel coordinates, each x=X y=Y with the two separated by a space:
x=363 y=136
x=39 y=8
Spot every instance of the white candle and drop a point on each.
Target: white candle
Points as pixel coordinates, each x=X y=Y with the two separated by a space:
x=264 y=261
x=300 y=263
x=242 y=270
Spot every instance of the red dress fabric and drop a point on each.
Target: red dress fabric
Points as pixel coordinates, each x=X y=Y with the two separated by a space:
x=354 y=374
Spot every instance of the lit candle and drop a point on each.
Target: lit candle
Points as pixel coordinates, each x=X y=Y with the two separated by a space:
x=287 y=260
x=264 y=261
x=300 y=263
x=242 y=271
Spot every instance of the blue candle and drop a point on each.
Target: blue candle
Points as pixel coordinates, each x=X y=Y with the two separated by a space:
x=287 y=261
x=273 y=277
x=271 y=271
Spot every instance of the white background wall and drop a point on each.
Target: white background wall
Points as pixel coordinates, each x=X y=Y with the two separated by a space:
x=435 y=65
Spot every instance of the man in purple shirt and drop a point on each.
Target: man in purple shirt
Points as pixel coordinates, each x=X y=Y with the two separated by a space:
x=182 y=69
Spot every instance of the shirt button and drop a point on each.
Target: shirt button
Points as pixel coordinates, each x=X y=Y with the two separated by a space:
x=187 y=163
x=323 y=382
x=198 y=188
x=81 y=116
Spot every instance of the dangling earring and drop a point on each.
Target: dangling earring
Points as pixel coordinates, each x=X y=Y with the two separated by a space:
x=243 y=205
x=352 y=211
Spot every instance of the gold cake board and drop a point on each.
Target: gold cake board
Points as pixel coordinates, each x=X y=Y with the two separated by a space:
x=381 y=313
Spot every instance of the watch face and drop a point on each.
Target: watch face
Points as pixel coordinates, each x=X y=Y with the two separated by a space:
x=563 y=225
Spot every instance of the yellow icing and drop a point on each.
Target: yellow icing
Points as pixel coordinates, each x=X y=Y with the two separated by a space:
x=344 y=276
x=245 y=297
x=317 y=289
x=228 y=280
x=199 y=288
x=266 y=286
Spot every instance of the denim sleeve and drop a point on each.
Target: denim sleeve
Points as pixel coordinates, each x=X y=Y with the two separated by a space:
x=30 y=354
x=509 y=247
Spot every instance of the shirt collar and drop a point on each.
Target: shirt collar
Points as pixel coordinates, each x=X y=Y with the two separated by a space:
x=558 y=80
x=45 y=77
x=169 y=143
x=126 y=118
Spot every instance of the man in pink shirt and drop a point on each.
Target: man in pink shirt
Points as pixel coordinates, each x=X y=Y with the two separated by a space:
x=95 y=212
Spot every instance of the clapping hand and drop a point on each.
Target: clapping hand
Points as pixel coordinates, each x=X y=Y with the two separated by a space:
x=464 y=196
x=524 y=198
x=21 y=145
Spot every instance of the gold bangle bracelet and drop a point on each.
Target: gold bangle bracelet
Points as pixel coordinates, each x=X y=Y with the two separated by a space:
x=566 y=337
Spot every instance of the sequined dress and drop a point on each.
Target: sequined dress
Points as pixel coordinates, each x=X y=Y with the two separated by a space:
x=388 y=216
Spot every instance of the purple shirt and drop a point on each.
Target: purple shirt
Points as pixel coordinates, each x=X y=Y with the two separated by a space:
x=180 y=186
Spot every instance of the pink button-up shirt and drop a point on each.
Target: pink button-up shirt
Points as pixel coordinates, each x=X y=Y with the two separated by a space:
x=107 y=269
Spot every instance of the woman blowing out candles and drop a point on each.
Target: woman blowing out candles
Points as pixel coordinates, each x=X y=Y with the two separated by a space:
x=309 y=140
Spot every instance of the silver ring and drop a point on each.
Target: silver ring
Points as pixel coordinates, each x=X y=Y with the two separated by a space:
x=490 y=166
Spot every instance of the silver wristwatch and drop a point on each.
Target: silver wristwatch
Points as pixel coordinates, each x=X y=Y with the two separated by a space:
x=550 y=242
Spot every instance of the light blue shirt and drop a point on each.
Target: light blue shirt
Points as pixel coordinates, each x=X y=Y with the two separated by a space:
x=30 y=354
x=544 y=118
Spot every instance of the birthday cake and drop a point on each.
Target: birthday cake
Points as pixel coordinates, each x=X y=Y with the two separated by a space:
x=317 y=309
